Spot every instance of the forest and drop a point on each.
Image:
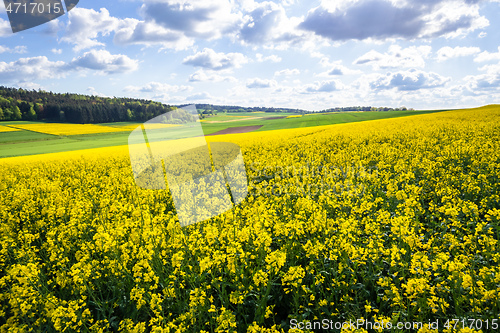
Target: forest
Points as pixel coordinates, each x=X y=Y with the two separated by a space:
x=20 y=104
x=32 y=105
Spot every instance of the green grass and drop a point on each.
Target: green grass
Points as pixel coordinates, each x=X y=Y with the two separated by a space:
x=262 y=114
x=40 y=147
x=120 y=124
x=24 y=136
x=243 y=115
x=22 y=143
x=19 y=122
x=311 y=120
x=30 y=143
x=223 y=117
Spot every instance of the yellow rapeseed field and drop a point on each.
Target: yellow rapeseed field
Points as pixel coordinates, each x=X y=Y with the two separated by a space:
x=4 y=129
x=388 y=221
x=69 y=129
x=147 y=126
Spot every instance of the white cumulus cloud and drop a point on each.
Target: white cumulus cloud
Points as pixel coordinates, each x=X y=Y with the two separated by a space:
x=410 y=80
x=324 y=87
x=210 y=59
x=261 y=83
x=385 y=19
x=103 y=61
x=272 y=58
x=396 y=56
x=287 y=72
x=488 y=56
x=206 y=19
x=157 y=88
x=204 y=76
x=447 y=52
x=86 y=25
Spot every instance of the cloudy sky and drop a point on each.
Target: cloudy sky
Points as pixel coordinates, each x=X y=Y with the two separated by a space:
x=310 y=54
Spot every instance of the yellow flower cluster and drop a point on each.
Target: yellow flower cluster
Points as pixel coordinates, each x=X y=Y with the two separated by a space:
x=68 y=129
x=295 y=116
x=388 y=220
x=146 y=126
x=4 y=129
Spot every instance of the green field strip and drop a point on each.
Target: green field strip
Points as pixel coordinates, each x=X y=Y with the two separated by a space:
x=311 y=120
x=119 y=124
x=20 y=122
x=55 y=146
x=32 y=143
x=24 y=136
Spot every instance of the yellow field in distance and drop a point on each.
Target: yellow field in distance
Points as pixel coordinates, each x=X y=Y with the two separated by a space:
x=69 y=129
x=391 y=219
x=148 y=126
x=4 y=129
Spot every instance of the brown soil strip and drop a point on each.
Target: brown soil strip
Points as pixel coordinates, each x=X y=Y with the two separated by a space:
x=236 y=130
x=272 y=118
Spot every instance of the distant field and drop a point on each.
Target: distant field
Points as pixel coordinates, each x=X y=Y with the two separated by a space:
x=67 y=129
x=393 y=220
x=260 y=114
x=4 y=129
x=243 y=116
x=28 y=139
x=225 y=118
x=132 y=126
x=23 y=136
x=309 y=121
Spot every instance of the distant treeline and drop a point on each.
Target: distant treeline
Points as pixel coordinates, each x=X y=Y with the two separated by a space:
x=20 y=104
x=364 y=108
x=215 y=109
x=209 y=109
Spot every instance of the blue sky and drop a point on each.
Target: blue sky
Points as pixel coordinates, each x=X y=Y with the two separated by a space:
x=313 y=55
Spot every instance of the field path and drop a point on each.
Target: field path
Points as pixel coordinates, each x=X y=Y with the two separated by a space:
x=237 y=130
